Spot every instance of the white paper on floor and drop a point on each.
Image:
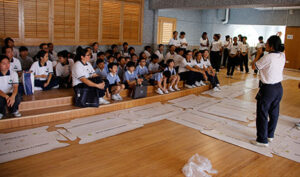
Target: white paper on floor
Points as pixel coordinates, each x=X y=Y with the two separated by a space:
x=25 y=143
x=193 y=101
x=151 y=113
x=286 y=77
x=93 y=129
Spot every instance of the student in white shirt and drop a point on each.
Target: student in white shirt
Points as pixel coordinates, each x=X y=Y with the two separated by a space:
x=270 y=93
x=174 y=78
x=9 y=97
x=9 y=42
x=44 y=47
x=115 y=86
x=114 y=49
x=226 y=46
x=182 y=40
x=25 y=60
x=233 y=59
x=43 y=72
x=95 y=50
x=160 y=53
x=125 y=52
x=178 y=57
x=216 y=52
x=260 y=45
x=52 y=53
x=64 y=70
x=204 y=43
x=174 y=40
x=244 y=55
x=171 y=54
x=187 y=71
x=148 y=52
x=201 y=75
x=84 y=76
x=15 y=64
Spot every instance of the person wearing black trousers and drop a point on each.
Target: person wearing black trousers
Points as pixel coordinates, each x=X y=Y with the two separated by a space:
x=244 y=55
x=261 y=45
x=216 y=52
x=233 y=58
x=270 y=93
x=226 y=50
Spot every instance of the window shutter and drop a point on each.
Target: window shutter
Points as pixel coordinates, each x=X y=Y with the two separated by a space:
x=9 y=18
x=131 y=22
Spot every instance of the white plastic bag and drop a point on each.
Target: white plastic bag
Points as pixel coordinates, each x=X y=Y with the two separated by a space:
x=198 y=166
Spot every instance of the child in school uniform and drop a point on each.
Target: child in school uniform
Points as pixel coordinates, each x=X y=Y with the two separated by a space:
x=216 y=52
x=64 y=69
x=148 y=52
x=43 y=72
x=15 y=64
x=174 y=40
x=204 y=42
x=178 y=58
x=101 y=69
x=100 y=56
x=182 y=40
x=142 y=70
x=233 y=58
x=130 y=76
x=95 y=50
x=122 y=67
x=226 y=46
x=125 y=52
x=25 y=60
x=9 y=42
x=131 y=51
x=201 y=76
x=9 y=97
x=134 y=59
x=171 y=54
x=115 y=85
x=84 y=76
x=174 y=77
x=186 y=70
x=210 y=72
x=114 y=49
x=52 y=54
x=260 y=45
x=161 y=82
x=160 y=53
x=244 y=48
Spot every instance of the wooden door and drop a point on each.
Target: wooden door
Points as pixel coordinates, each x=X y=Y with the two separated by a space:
x=292 y=47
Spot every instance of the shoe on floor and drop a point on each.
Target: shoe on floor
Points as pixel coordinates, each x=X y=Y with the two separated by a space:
x=202 y=83
x=166 y=91
x=270 y=140
x=228 y=76
x=194 y=86
x=176 y=88
x=1 y=116
x=198 y=84
x=159 y=91
x=103 y=101
x=254 y=142
x=115 y=97
x=16 y=114
x=216 y=89
x=171 y=89
x=188 y=86
x=119 y=97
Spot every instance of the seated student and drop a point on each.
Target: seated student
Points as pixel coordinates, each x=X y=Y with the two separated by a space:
x=186 y=70
x=125 y=52
x=84 y=76
x=233 y=58
x=142 y=70
x=171 y=53
x=115 y=86
x=110 y=59
x=15 y=64
x=64 y=69
x=194 y=53
x=161 y=82
x=201 y=76
x=154 y=68
x=9 y=96
x=130 y=77
x=100 y=56
x=174 y=78
x=107 y=54
x=134 y=59
x=25 y=60
x=210 y=72
x=95 y=50
x=9 y=42
x=114 y=49
x=43 y=72
x=160 y=53
x=178 y=57
x=44 y=47
x=52 y=54
x=101 y=69
x=122 y=67
x=131 y=51
x=148 y=51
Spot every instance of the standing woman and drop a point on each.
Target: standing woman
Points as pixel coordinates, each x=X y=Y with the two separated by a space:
x=244 y=55
x=270 y=93
x=204 y=43
x=226 y=46
x=216 y=52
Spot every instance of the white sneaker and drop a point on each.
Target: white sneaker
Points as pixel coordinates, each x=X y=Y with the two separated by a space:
x=270 y=140
x=198 y=84
x=115 y=97
x=103 y=101
x=166 y=91
x=171 y=89
x=202 y=83
x=16 y=114
x=194 y=86
x=120 y=98
x=254 y=142
x=228 y=76
x=188 y=86
x=1 y=116
x=216 y=89
x=159 y=91
x=176 y=88
x=231 y=76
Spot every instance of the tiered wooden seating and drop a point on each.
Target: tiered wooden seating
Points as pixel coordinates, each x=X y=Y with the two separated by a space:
x=57 y=104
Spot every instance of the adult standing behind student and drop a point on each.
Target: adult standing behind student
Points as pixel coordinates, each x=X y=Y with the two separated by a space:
x=9 y=42
x=25 y=60
x=204 y=42
x=226 y=46
x=244 y=55
x=270 y=93
x=174 y=40
x=182 y=40
x=9 y=96
x=216 y=52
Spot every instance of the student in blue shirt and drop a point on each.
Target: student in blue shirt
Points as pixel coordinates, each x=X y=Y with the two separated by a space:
x=130 y=76
x=122 y=67
x=142 y=70
x=115 y=86
x=100 y=69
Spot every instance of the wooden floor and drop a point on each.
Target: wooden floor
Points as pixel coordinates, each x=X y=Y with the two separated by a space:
x=160 y=149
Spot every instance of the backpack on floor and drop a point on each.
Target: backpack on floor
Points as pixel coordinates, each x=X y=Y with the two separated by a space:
x=28 y=83
x=86 y=97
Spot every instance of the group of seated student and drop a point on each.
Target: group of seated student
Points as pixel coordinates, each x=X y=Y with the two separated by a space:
x=109 y=72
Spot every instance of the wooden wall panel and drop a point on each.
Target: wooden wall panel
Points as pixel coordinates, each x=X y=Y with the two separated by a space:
x=131 y=25
x=9 y=18
x=291 y=47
